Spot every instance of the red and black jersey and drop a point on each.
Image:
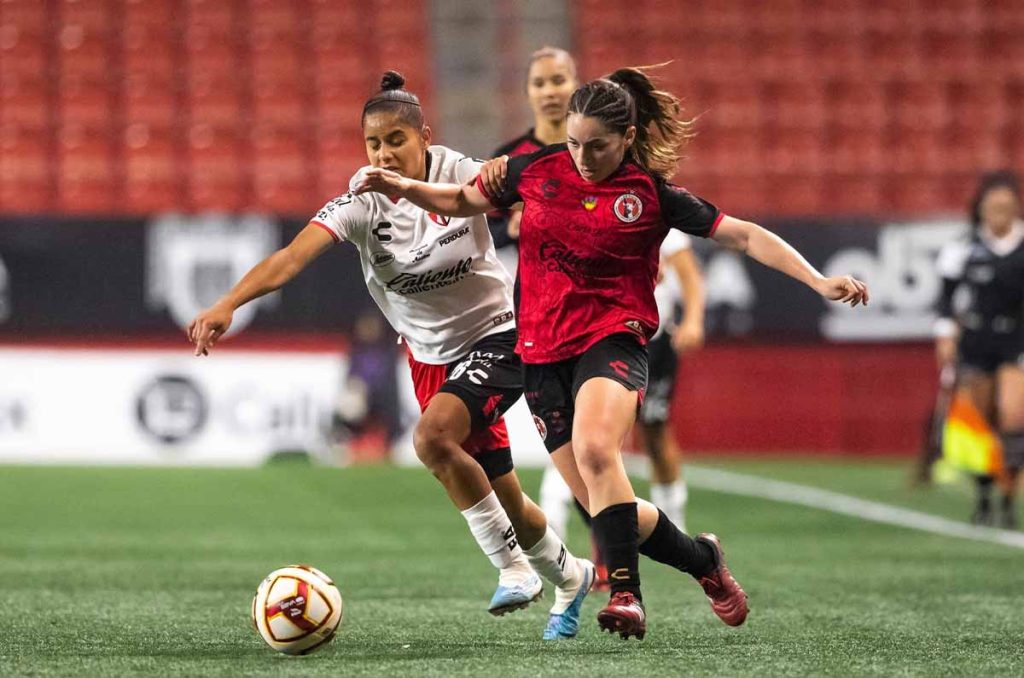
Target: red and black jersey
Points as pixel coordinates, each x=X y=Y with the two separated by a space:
x=497 y=220
x=588 y=252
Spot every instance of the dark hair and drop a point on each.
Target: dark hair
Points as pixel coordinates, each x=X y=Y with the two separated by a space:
x=628 y=97
x=987 y=182
x=393 y=98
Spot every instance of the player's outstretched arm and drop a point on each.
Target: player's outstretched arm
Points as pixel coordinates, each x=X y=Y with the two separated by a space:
x=450 y=200
x=265 y=277
x=771 y=250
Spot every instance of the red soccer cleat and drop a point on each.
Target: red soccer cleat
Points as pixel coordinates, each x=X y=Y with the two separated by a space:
x=723 y=591
x=624 y=615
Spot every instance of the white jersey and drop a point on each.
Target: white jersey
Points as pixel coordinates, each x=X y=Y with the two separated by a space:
x=437 y=279
x=668 y=292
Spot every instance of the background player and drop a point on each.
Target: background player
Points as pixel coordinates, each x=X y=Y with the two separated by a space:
x=679 y=276
x=439 y=284
x=981 y=326
x=595 y=213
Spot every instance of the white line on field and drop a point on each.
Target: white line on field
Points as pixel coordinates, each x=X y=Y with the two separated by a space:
x=776 y=490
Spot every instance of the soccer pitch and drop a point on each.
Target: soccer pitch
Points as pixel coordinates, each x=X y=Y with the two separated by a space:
x=108 y=571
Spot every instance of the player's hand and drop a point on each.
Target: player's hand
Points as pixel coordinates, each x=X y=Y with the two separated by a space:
x=688 y=337
x=376 y=180
x=845 y=289
x=209 y=326
x=493 y=173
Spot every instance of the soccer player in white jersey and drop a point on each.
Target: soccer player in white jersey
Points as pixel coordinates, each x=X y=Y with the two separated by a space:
x=439 y=283
x=679 y=279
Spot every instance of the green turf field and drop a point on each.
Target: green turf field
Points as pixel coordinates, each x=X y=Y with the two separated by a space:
x=151 y=571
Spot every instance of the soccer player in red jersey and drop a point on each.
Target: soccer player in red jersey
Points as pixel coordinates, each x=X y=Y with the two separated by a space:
x=595 y=212
x=550 y=81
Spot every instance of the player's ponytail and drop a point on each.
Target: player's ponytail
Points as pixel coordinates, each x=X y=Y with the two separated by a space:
x=629 y=97
x=393 y=97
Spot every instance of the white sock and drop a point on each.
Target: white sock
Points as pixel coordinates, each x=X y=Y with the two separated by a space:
x=555 y=497
x=552 y=560
x=493 y=531
x=671 y=499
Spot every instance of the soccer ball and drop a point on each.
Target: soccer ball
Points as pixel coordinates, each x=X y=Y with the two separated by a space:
x=297 y=609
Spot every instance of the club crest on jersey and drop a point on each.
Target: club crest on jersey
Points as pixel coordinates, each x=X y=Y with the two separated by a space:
x=438 y=219
x=628 y=207
x=542 y=429
x=590 y=202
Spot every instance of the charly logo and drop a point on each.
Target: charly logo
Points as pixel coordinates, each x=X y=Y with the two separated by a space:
x=438 y=219
x=171 y=408
x=379 y=259
x=628 y=207
x=380 y=231
x=590 y=202
x=414 y=283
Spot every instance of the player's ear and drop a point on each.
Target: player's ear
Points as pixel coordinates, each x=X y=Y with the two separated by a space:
x=426 y=134
x=630 y=136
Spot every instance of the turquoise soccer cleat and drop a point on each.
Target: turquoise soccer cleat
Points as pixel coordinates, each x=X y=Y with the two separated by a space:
x=567 y=624
x=511 y=598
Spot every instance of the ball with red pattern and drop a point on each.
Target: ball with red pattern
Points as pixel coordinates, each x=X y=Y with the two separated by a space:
x=297 y=609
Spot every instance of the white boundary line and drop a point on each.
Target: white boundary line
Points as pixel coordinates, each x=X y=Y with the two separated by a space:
x=792 y=493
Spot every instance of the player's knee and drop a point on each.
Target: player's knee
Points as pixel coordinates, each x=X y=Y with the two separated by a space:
x=594 y=455
x=433 y=443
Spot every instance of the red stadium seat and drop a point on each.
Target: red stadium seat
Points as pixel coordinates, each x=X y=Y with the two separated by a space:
x=839 y=55
x=916 y=194
x=152 y=50
x=150 y=99
x=979 y=105
x=86 y=170
x=216 y=98
x=26 y=173
x=139 y=13
x=24 y=101
x=85 y=100
x=281 y=170
x=85 y=52
x=858 y=105
x=921 y=105
x=858 y=194
x=217 y=170
x=22 y=51
x=152 y=169
x=93 y=14
x=30 y=16
x=217 y=15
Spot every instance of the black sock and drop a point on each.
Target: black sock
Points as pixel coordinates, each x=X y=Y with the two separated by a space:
x=617 y=531
x=668 y=545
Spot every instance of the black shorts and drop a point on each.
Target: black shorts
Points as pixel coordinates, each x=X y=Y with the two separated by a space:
x=489 y=380
x=551 y=388
x=661 y=380
x=985 y=352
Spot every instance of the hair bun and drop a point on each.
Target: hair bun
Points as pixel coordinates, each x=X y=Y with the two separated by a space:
x=392 y=80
